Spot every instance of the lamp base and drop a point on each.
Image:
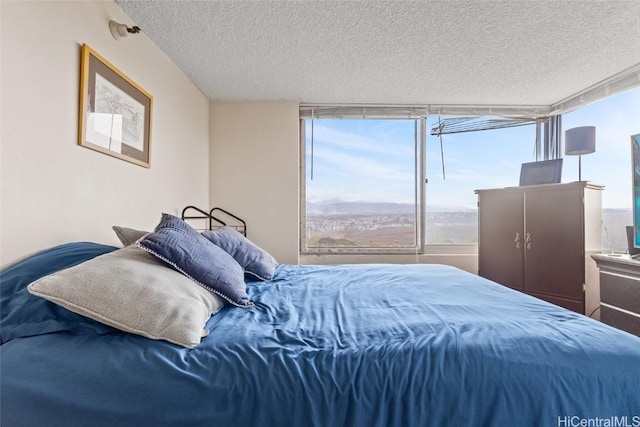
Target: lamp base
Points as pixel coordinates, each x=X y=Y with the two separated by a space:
x=580 y=167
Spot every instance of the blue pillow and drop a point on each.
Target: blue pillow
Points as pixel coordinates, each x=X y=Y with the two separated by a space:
x=253 y=259
x=23 y=314
x=179 y=245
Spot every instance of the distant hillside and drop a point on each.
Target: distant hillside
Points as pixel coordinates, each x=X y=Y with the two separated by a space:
x=444 y=225
x=340 y=207
x=358 y=208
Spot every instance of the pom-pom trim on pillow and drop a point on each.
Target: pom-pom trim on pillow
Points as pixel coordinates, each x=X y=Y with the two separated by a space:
x=209 y=288
x=176 y=243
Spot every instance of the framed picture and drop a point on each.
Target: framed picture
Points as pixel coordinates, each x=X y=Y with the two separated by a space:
x=543 y=172
x=115 y=113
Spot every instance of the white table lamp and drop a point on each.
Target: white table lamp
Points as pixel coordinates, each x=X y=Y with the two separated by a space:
x=579 y=141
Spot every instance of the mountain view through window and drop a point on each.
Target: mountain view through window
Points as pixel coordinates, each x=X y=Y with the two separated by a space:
x=362 y=177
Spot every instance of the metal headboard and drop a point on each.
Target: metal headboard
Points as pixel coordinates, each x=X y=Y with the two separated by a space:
x=215 y=218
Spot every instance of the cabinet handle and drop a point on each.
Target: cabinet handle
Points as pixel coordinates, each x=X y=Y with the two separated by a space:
x=517 y=240
x=527 y=239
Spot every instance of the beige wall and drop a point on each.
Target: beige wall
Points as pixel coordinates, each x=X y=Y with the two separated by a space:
x=242 y=156
x=254 y=170
x=54 y=191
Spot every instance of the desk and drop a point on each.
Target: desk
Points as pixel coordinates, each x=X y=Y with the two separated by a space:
x=619 y=291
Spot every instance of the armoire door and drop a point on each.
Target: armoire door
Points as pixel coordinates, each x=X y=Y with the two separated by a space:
x=554 y=247
x=500 y=236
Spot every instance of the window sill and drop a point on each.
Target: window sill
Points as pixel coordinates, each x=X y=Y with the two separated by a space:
x=429 y=250
x=464 y=257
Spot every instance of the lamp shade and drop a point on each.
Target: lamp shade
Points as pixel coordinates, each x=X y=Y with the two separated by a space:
x=581 y=140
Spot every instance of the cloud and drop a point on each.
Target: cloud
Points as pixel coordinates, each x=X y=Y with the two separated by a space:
x=615 y=118
x=339 y=175
x=355 y=160
x=361 y=167
x=387 y=141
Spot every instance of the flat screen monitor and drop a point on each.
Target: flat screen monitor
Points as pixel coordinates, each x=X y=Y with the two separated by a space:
x=543 y=172
x=635 y=163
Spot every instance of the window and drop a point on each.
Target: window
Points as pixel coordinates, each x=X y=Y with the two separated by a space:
x=615 y=119
x=457 y=164
x=361 y=185
x=363 y=181
x=382 y=183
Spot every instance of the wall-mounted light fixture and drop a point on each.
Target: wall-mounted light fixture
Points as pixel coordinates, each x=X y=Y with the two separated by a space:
x=579 y=141
x=121 y=30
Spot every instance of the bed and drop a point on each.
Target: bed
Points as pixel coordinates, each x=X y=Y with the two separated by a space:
x=339 y=345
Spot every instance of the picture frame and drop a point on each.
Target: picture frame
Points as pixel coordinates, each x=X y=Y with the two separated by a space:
x=115 y=112
x=543 y=172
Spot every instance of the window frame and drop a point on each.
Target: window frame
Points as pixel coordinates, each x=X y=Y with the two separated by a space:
x=618 y=83
x=419 y=197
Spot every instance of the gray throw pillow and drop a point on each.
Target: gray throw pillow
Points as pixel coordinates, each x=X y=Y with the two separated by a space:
x=131 y=290
x=128 y=236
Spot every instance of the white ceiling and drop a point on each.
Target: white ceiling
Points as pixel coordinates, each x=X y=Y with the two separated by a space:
x=456 y=52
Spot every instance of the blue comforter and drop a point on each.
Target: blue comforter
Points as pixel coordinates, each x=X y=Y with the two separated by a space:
x=366 y=345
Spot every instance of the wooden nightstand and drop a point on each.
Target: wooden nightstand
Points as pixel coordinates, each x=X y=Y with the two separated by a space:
x=620 y=291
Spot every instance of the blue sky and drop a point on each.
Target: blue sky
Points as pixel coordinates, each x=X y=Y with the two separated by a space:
x=356 y=160
x=616 y=119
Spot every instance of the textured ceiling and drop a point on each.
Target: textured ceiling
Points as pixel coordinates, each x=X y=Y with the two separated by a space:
x=485 y=52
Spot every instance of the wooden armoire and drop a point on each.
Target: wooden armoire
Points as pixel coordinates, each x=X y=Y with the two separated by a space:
x=539 y=240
